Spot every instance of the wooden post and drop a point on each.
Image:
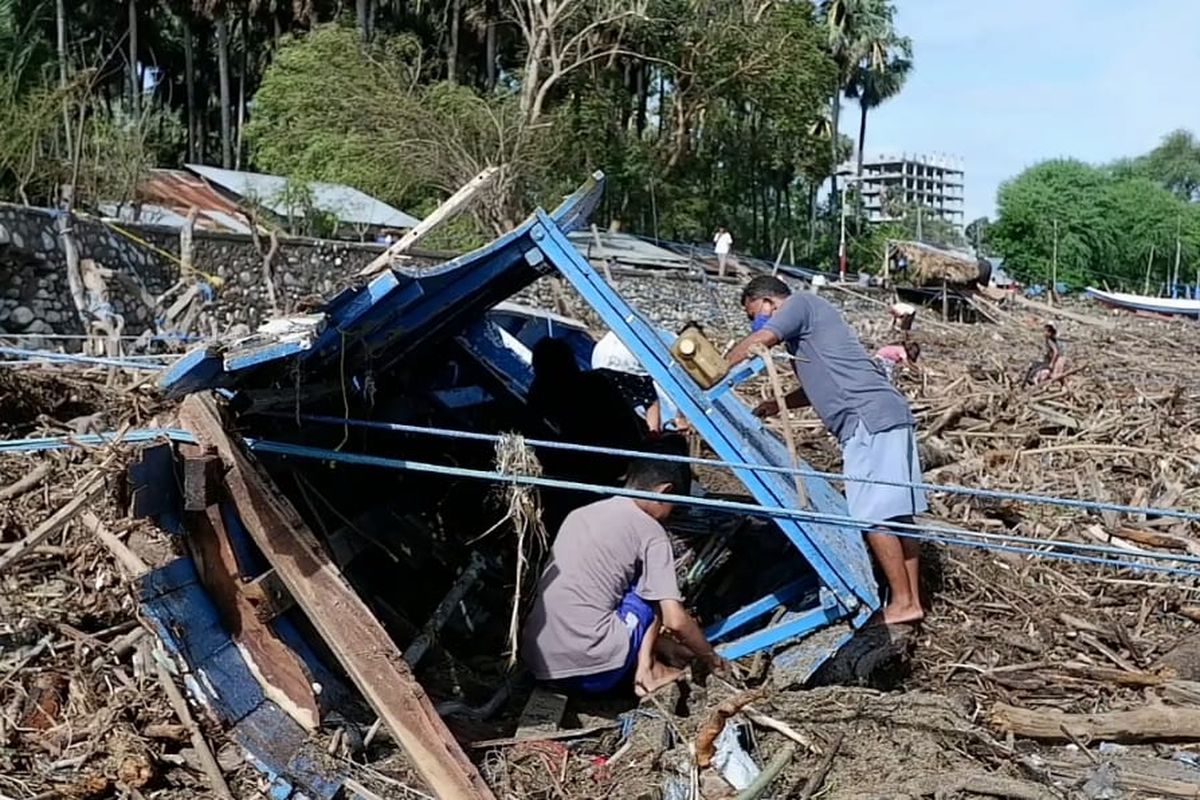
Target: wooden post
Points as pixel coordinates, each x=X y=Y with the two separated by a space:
x=945 y=303
x=789 y=436
x=1149 y=262
x=447 y=210
x=1050 y=297
x=887 y=262
x=779 y=258
x=1175 y=279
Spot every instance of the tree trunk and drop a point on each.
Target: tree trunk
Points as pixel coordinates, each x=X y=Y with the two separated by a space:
x=60 y=13
x=223 y=78
x=490 y=49
x=835 y=202
x=643 y=79
x=812 y=218
x=135 y=87
x=189 y=71
x=241 y=107
x=452 y=53
x=362 y=10
x=862 y=138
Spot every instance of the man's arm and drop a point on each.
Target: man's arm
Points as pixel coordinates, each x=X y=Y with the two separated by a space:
x=741 y=351
x=794 y=399
x=677 y=620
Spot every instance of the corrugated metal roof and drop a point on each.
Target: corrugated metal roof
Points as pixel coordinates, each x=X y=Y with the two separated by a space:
x=167 y=195
x=348 y=204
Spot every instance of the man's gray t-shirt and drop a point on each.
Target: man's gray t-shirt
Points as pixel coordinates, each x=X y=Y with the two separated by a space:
x=843 y=383
x=602 y=551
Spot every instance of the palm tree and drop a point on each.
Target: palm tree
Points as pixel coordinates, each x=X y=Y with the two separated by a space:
x=854 y=29
x=879 y=78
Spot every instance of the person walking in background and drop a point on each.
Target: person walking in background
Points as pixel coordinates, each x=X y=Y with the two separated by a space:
x=722 y=244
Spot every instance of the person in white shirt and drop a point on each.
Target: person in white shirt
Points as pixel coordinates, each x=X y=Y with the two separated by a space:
x=902 y=315
x=722 y=244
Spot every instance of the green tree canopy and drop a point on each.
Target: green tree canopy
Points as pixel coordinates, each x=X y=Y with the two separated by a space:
x=1102 y=223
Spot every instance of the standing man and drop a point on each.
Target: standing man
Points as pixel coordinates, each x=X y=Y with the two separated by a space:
x=722 y=244
x=862 y=409
x=608 y=589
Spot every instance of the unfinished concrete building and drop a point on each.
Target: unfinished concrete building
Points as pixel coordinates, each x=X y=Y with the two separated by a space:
x=933 y=182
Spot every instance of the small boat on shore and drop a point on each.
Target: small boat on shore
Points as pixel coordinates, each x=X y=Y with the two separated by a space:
x=1156 y=305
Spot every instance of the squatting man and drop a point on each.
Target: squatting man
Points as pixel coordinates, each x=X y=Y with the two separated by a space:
x=858 y=404
x=609 y=590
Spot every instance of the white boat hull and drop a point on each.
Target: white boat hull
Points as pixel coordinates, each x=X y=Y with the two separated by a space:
x=1138 y=302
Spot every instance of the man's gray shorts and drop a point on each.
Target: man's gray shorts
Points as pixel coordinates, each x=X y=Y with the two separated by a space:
x=890 y=456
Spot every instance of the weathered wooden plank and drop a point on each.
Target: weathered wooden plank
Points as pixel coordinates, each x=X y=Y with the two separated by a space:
x=446 y=211
x=274 y=665
x=543 y=713
x=1148 y=724
x=360 y=643
x=201 y=478
x=269 y=596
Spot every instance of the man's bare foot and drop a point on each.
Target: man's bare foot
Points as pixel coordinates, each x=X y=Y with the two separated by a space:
x=651 y=680
x=895 y=614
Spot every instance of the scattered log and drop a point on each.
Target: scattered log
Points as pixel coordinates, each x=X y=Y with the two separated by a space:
x=128 y=559
x=1148 y=724
x=27 y=482
x=770 y=772
x=573 y=733
x=207 y=760
x=92 y=485
x=813 y=783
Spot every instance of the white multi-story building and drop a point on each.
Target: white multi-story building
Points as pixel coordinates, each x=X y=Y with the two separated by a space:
x=934 y=182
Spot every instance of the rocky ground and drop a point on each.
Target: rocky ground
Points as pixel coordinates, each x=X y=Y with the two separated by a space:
x=1031 y=678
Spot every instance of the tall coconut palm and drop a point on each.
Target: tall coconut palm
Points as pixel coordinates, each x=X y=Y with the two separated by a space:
x=879 y=76
x=853 y=29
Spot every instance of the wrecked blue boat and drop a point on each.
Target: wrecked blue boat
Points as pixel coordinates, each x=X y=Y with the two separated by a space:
x=340 y=491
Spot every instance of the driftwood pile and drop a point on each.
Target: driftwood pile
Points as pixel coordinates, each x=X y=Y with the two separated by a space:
x=1030 y=678
x=88 y=705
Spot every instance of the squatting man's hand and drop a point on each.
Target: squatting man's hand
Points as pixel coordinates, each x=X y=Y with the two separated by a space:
x=767 y=408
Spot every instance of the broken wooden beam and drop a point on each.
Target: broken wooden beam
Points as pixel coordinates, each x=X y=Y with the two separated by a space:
x=269 y=596
x=446 y=211
x=273 y=664
x=1157 y=723
x=343 y=620
x=201 y=478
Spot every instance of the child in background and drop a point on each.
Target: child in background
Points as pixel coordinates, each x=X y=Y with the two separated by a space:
x=892 y=355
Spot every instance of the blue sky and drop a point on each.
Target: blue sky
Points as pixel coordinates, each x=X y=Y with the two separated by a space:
x=1006 y=83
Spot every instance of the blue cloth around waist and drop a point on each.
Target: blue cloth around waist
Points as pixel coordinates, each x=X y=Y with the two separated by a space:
x=638 y=616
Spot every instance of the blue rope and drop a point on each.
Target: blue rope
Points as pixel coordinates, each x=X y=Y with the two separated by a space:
x=71 y=358
x=990 y=541
x=136 y=436
x=995 y=494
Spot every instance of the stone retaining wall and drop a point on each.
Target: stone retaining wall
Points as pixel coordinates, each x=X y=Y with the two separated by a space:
x=35 y=298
